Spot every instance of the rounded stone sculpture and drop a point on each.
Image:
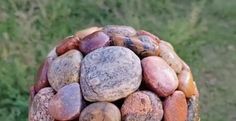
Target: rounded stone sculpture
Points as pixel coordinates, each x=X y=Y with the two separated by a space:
x=39 y=107
x=142 y=106
x=100 y=111
x=109 y=74
x=65 y=69
x=125 y=75
x=67 y=103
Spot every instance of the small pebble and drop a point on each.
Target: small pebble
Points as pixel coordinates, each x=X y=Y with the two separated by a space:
x=65 y=69
x=85 y=32
x=111 y=30
x=175 y=107
x=67 y=103
x=142 y=106
x=100 y=111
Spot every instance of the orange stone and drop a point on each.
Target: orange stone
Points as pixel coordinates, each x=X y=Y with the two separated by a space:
x=186 y=83
x=175 y=107
x=67 y=44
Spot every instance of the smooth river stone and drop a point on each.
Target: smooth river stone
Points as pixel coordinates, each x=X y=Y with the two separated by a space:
x=67 y=103
x=109 y=74
x=175 y=107
x=193 y=109
x=41 y=77
x=85 y=32
x=142 y=106
x=93 y=41
x=39 y=107
x=65 y=69
x=100 y=111
x=159 y=76
x=69 y=43
x=143 y=32
x=122 y=30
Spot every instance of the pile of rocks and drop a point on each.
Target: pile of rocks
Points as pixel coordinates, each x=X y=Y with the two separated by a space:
x=114 y=73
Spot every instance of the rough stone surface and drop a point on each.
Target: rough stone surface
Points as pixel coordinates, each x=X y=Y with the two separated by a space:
x=143 y=45
x=67 y=103
x=142 y=106
x=175 y=107
x=169 y=55
x=159 y=76
x=39 y=107
x=109 y=74
x=193 y=109
x=65 y=69
x=93 y=41
x=119 y=30
x=100 y=111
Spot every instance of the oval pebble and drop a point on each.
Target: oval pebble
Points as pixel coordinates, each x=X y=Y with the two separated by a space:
x=175 y=107
x=169 y=55
x=67 y=103
x=41 y=77
x=142 y=106
x=93 y=41
x=67 y=44
x=65 y=69
x=100 y=111
x=159 y=76
x=122 y=30
x=39 y=107
x=109 y=74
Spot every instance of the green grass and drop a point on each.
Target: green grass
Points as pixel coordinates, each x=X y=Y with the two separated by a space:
x=202 y=32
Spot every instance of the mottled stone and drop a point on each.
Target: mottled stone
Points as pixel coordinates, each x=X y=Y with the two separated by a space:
x=65 y=69
x=109 y=74
x=143 y=45
x=67 y=103
x=175 y=107
x=41 y=77
x=39 y=107
x=100 y=111
x=93 y=41
x=119 y=30
x=67 y=44
x=169 y=55
x=193 y=109
x=159 y=76
x=85 y=32
x=143 y=32
x=142 y=106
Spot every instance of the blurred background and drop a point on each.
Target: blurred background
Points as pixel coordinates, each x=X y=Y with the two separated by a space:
x=203 y=33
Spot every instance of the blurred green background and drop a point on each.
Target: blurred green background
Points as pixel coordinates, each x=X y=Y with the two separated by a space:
x=203 y=33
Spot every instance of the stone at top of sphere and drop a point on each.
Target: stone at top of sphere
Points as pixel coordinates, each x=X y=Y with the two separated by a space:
x=110 y=73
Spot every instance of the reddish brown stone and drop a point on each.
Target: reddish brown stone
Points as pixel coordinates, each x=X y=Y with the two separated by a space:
x=158 y=75
x=67 y=103
x=169 y=55
x=111 y=30
x=39 y=107
x=67 y=44
x=41 y=77
x=85 y=32
x=65 y=69
x=142 y=106
x=175 y=107
x=93 y=41
x=100 y=111
x=143 y=32
x=143 y=45
x=109 y=74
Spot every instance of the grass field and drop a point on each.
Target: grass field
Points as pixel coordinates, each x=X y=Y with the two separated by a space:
x=203 y=33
